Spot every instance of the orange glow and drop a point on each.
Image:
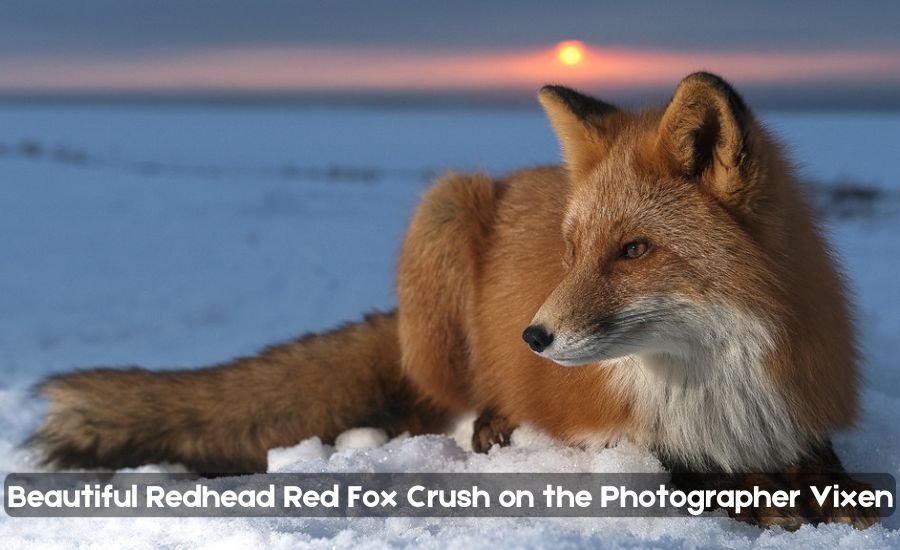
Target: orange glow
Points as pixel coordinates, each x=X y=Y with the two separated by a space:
x=570 y=52
x=288 y=69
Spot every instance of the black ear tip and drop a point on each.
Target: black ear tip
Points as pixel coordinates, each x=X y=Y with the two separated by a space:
x=578 y=103
x=562 y=92
x=555 y=90
x=718 y=85
x=706 y=78
x=709 y=80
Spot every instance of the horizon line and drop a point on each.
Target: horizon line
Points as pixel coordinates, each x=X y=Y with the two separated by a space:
x=833 y=99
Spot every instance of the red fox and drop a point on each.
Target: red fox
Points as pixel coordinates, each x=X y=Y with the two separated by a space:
x=670 y=284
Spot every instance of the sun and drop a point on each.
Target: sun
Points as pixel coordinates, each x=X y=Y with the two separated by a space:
x=570 y=52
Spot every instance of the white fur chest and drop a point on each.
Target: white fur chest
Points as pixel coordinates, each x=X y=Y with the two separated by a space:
x=716 y=407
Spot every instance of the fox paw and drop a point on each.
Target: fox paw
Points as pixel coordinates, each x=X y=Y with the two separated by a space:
x=791 y=521
x=491 y=428
x=808 y=510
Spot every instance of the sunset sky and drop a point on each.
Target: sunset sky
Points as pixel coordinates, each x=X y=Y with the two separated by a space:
x=830 y=53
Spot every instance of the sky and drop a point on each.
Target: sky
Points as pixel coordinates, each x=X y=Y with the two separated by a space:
x=816 y=53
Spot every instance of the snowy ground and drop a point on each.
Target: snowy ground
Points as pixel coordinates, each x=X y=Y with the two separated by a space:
x=182 y=236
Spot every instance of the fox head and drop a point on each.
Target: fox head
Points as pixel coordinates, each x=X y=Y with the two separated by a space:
x=666 y=230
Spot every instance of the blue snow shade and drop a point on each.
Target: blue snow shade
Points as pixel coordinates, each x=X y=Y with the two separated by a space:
x=181 y=237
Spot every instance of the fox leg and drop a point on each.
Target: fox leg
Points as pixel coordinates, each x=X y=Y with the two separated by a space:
x=435 y=285
x=491 y=428
x=823 y=467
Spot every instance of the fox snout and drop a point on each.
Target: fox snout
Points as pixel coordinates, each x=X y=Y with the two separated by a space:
x=576 y=344
x=562 y=346
x=642 y=326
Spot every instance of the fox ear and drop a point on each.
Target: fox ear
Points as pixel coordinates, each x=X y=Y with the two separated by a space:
x=578 y=121
x=706 y=133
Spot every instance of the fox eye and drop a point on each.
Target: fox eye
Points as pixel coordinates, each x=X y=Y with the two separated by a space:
x=634 y=250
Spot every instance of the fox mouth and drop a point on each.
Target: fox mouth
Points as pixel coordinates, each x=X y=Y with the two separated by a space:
x=573 y=361
x=588 y=351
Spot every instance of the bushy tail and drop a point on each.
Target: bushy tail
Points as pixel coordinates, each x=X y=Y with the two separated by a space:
x=223 y=419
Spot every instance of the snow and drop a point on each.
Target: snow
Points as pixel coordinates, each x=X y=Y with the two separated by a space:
x=176 y=236
x=360 y=438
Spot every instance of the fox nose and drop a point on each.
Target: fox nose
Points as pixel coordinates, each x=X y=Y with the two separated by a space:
x=537 y=338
